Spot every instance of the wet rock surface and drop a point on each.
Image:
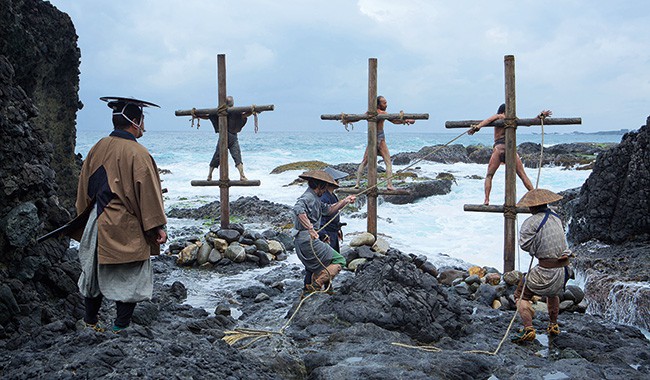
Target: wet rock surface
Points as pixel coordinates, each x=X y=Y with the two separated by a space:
x=614 y=202
x=350 y=334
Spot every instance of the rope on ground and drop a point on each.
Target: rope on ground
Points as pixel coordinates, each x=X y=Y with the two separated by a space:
x=233 y=336
x=423 y=348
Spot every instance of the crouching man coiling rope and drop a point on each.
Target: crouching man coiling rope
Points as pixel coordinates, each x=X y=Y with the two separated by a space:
x=318 y=257
x=542 y=235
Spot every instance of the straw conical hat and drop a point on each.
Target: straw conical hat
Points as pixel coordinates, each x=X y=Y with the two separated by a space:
x=538 y=197
x=319 y=175
x=336 y=174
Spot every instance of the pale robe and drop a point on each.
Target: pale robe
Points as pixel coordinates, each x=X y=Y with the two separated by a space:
x=547 y=243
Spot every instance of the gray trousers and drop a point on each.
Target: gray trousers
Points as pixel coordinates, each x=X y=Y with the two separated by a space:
x=233 y=147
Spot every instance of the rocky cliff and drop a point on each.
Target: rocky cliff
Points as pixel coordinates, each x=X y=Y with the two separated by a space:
x=614 y=202
x=38 y=101
x=40 y=43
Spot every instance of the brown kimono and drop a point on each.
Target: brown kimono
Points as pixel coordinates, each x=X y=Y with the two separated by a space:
x=121 y=178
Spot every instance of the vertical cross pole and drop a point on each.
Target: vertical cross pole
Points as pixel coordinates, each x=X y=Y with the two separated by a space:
x=372 y=145
x=223 y=143
x=509 y=214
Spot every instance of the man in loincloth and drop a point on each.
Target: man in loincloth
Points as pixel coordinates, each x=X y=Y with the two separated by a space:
x=382 y=148
x=542 y=235
x=499 y=151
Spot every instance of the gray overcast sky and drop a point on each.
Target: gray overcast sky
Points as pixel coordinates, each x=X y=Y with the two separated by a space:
x=586 y=59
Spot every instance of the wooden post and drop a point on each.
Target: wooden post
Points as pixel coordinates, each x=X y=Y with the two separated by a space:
x=511 y=175
x=223 y=144
x=372 y=146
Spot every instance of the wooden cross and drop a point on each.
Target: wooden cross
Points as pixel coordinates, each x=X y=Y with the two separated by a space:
x=510 y=123
x=224 y=182
x=372 y=117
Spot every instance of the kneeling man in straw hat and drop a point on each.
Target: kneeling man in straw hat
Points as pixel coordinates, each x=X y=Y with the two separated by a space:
x=318 y=257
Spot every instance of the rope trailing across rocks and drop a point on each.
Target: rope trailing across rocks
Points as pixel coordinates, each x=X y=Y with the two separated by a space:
x=523 y=280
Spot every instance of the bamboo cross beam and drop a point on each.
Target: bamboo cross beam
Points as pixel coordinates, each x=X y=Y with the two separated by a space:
x=519 y=122
x=387 y=116
x=494 y=208
x=215 y=111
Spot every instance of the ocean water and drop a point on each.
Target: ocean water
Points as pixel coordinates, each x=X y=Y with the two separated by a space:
x=436 y=226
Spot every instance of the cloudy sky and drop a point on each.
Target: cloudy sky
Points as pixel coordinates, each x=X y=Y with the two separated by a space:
x=580 y=58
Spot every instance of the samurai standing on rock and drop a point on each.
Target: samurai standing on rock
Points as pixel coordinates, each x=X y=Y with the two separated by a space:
x=318 y=257
x=542 y=235
x=120 y=197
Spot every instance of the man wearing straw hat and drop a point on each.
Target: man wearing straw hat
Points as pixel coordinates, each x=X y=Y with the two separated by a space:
x=542 y=235
x=317 y=257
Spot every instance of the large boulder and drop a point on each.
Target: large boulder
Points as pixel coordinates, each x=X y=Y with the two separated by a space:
x=393 y=294
x=614 y=202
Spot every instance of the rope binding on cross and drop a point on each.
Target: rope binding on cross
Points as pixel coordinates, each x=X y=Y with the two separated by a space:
x=346 y=122
x=254 y=113
x=198 y=119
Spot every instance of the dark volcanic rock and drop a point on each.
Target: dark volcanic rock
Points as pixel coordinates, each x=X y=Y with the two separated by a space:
x=38 y=100
x=40 y=43
x=614 y=204
x=419 y=190
x=249 y=209
x=393 y=294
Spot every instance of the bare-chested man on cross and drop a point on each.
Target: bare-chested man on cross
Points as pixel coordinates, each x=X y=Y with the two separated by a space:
x=382 y=148
x=499 y=153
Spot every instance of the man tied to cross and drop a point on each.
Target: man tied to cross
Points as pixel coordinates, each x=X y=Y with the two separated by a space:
x=499 y=152
x=382 y=148
x=236 y=122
